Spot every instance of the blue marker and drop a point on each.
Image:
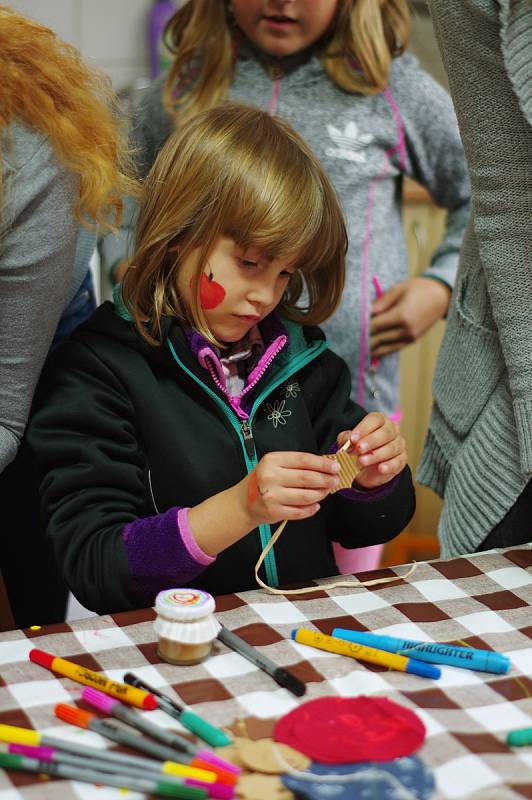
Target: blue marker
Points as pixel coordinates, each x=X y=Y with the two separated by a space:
x=433 y=652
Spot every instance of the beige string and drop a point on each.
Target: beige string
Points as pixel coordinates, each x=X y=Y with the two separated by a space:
x=337 y=584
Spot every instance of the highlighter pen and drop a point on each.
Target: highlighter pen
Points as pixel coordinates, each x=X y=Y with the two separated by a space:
x=131 y=717
x=280 y=675
x=183 y=765
x=519 y=738
x=25 y=736
x=433 y=652
x=161 y=788
x=343 y=648
x=203 y=729
x=137 y=697
x=220 y=791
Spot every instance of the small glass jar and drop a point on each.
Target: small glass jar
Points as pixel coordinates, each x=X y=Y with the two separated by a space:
x=185 y=625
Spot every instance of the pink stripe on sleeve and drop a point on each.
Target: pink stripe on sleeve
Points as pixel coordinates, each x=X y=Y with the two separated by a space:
x=187 y=537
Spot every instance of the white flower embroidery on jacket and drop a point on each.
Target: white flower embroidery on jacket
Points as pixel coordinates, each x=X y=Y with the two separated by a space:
x=277 y=413
x=350 y=144
x=291 y=389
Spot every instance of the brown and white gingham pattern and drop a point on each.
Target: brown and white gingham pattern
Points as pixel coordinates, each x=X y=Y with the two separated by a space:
x=483 y=600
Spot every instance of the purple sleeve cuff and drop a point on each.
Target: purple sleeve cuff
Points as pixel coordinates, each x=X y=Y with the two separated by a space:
x=162 y=552
x=365 y=495
x=370 y=495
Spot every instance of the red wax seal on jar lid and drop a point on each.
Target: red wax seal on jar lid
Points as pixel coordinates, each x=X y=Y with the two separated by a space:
x=343 y=730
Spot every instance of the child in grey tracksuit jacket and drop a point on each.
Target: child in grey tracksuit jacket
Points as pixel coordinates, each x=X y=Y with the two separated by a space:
x=367 y=144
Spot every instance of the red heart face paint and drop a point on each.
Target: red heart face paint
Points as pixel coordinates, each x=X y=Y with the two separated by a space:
x=211 y=293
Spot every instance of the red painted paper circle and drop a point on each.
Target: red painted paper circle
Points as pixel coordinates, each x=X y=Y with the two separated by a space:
x=343 y=730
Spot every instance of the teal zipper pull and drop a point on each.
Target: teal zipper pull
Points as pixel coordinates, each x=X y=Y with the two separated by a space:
x=249 y=442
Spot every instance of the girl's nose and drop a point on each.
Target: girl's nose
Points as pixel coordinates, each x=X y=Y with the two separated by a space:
x=262 y=293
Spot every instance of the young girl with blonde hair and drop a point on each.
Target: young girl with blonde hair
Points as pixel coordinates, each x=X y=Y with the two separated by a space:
x=177 y=425
x=62 y=160
x=337 y=71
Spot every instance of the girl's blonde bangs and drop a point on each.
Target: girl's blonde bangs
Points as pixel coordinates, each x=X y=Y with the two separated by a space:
x=235 y=171
x=275 y=196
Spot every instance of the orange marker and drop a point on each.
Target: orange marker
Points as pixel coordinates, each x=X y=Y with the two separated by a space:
x=128 y=694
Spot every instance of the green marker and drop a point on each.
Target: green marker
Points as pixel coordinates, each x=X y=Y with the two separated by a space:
x=519 y=738
x=203 y=729
x=74 y=773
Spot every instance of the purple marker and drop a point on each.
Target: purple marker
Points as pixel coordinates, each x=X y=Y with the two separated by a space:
x=109 y=705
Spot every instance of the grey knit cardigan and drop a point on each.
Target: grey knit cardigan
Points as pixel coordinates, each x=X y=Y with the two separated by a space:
x=478 y=453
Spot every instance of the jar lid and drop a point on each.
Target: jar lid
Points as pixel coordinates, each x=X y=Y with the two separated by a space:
x=184 y=604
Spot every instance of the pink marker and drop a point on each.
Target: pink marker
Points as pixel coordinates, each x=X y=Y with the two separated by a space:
x=226 y=771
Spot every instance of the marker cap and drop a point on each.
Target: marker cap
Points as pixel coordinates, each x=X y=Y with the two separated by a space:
x=41 y=658
x=10 y=761
x=519 y=738
x=103 y=702
x=422 y=668
x=39 y=751
x=213 y=736
x=165 y=789
x=12 y=733
x=222 y=791
x=73 y=715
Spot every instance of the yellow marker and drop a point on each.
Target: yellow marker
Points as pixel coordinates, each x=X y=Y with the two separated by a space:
x=15 y=735
x=343 y=648
x=128 y=694
x=185 y=771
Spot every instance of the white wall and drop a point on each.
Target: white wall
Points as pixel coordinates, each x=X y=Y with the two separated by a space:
x=111 y=34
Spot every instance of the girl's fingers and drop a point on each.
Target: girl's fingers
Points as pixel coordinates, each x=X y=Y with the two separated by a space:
x=371 y=422
x=386 y=434
x=307 y=479
x=292 y=498
x=384 y=453
x=393 y=467
x=300 y=461
x=298 y=512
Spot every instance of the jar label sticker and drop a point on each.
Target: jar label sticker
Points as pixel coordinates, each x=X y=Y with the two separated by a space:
x=186 y=597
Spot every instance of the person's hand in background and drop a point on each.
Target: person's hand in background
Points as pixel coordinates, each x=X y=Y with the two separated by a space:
x=405 y=312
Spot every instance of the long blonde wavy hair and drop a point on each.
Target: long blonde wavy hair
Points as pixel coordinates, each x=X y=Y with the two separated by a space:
x=45 y=85
x=237 y=172
x=356 y=52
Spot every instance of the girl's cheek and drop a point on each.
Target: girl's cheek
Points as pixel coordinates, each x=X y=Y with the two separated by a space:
x=211 y=292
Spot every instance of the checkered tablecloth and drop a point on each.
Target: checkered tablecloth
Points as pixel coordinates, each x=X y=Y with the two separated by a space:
x=483 y=600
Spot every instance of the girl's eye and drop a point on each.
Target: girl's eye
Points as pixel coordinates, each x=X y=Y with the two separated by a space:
x=247 y=263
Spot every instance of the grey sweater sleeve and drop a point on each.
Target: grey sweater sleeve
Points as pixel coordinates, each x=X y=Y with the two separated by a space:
x=37 y=246
x=435 y=156
x=487 y=51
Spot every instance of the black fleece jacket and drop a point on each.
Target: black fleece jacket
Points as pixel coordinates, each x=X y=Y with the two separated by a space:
x=123 y=431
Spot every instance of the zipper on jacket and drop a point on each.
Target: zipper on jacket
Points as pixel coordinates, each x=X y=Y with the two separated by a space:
x=249 y=442
x=251 y=462
x=264 y=367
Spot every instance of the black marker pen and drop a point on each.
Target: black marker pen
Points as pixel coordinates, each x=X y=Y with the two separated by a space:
x=280 y=675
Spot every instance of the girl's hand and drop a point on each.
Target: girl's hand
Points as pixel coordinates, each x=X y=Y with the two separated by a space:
x=380 y=448
x=288 y=485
